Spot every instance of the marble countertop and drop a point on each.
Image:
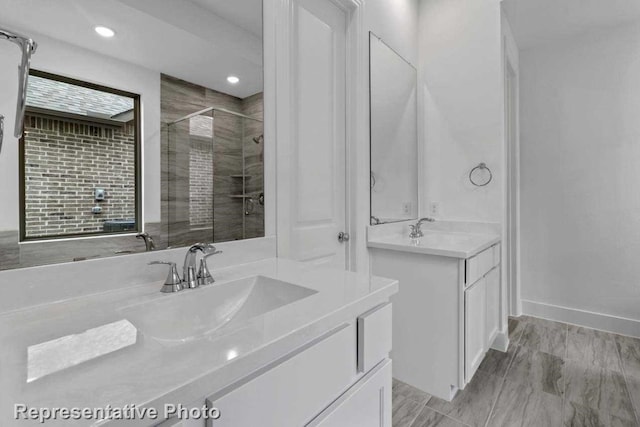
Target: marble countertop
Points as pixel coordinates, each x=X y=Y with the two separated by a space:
x=442 y=243
x=146 y=372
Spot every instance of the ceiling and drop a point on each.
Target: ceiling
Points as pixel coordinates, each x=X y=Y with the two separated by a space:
x=246 y=14
x=537 y=22
x=201 y=41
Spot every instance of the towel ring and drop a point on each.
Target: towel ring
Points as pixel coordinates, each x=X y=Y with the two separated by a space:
x=481 y=166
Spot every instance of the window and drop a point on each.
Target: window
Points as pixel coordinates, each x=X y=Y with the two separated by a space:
x=79 y=159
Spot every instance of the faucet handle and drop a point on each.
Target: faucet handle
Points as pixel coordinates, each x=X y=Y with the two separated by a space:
x=204 y=275
x=172 y=283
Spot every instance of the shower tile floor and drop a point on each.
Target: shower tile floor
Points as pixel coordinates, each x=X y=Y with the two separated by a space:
x=553 y=374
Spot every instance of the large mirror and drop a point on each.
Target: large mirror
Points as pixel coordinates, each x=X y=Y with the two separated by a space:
x=143 y=127
x=394 y=135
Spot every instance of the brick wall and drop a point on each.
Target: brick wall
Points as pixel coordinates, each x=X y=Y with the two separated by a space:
x=64 y=162
x=200 y=183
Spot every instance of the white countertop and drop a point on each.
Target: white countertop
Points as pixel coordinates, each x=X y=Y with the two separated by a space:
x=147 y=372
x=441 y=243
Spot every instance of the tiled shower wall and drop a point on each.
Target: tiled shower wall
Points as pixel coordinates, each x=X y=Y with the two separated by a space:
x=185 y=186
x=253 y=153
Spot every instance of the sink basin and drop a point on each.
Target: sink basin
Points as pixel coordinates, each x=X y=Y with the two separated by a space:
x=193 y=314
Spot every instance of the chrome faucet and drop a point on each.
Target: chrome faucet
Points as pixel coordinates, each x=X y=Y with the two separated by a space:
x=416 y=231
x=190 y=279
x=148 y=241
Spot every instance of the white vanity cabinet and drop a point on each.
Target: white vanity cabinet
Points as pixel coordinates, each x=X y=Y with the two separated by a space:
x=446 y=316
x=481 y=307
x=323 y=383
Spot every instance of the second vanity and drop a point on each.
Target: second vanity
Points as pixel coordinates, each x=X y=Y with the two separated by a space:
x=271 y=343
x=449 y=313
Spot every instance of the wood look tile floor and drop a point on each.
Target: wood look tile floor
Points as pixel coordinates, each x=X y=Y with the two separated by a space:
x=552 y=375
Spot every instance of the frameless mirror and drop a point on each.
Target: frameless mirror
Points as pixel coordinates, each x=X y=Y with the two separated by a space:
x=394 y=136
x=143 y=127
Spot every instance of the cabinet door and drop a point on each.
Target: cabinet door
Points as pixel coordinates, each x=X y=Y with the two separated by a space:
x=475 y=320
x=366 y=404
x=294 y=390
x=493 y=305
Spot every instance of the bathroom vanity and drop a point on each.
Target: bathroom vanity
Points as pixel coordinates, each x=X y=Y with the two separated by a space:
x=449 y=313
x=272 y=342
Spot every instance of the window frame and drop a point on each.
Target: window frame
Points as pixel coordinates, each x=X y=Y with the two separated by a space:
x=137 y=161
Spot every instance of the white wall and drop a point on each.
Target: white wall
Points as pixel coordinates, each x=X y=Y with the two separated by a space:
x=580 y=175
x=395 y=22
x=461 y=107
x=67 y=60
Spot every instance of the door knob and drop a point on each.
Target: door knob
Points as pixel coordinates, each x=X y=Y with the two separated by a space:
x=343 y=237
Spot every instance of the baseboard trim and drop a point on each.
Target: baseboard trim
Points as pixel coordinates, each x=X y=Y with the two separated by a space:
x=588 y=319
x=501 y=341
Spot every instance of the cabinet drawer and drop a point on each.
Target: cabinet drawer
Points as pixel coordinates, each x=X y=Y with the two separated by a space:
x=480 y=264
x=366 y=404
x=374 y=336
x=293 y=391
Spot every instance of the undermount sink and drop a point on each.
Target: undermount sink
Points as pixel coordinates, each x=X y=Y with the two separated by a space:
x=192 y=314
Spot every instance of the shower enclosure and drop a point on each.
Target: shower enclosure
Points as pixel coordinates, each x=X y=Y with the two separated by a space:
x=214 y=176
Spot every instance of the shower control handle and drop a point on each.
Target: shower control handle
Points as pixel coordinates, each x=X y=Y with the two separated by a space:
x=343 y=237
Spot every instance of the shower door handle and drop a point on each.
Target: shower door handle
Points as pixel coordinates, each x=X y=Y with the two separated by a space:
x=343 y=237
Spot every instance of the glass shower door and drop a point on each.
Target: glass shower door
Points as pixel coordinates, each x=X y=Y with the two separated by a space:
x=190 y=180
x=215 y=178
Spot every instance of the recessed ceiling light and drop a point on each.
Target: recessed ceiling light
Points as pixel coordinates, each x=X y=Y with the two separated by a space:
x=233 y=79
x=105 y=31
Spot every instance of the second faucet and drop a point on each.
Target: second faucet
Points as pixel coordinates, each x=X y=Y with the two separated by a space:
x=416 y=231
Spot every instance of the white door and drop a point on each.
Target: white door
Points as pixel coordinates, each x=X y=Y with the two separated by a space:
x=311 y=138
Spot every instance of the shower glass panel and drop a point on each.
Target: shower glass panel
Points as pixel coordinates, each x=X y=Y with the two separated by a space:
x=215 y=177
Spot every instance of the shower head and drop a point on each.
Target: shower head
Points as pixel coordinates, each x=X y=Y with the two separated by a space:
x=259 y=139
